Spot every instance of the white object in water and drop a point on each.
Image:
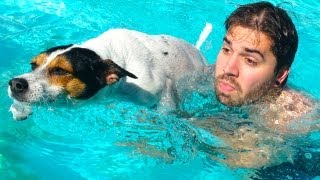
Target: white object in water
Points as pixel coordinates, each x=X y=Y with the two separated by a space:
x=204 y=35
x=20 y=110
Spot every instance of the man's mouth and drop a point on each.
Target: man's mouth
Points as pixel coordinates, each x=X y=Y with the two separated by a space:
x=225 y=86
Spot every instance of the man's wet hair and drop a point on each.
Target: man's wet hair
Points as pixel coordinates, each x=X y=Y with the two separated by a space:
x=274 y=22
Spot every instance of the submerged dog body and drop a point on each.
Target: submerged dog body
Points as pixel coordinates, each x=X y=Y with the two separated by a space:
x=142 y=67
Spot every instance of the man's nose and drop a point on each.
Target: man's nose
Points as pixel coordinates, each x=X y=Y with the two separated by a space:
x=18 y=85
x=232 y=66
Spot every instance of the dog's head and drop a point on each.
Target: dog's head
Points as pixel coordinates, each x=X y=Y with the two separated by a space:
x=77 y=72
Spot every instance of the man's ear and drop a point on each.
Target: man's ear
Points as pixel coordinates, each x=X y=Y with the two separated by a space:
x=115 y=72
x=281 y=76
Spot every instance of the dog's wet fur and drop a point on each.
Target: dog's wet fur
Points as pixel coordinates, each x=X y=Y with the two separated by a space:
x=140 y=66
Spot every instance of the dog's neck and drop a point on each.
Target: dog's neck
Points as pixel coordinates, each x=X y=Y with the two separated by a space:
x=103 y=46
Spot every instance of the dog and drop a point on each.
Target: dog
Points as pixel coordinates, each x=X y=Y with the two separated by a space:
x=138 y=66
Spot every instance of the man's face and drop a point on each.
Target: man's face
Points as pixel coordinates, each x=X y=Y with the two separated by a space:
x=245 y=67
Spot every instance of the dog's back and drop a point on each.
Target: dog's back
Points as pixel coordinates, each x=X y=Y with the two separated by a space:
x=157 y=60
x=138 y=52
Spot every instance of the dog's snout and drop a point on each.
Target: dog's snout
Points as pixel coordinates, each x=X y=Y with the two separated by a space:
x=18 y=85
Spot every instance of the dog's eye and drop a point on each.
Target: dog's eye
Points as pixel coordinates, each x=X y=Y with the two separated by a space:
x=33 y=66
x=58 y=71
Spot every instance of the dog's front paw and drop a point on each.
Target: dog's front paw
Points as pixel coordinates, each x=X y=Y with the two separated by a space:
x=20 y=111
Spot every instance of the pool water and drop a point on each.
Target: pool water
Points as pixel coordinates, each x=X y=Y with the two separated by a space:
x=114 y=139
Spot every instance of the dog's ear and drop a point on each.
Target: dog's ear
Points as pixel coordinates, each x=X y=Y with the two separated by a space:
x=115 y=72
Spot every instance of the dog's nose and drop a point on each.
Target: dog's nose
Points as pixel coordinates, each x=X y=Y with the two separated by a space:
x=18 y=85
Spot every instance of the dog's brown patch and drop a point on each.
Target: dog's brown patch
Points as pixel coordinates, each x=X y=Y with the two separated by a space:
x=72 y=85
x=75 y=87
x=61 y=62
x=40 y=59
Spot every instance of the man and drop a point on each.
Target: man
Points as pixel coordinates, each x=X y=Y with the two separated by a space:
x=254 y=61
x=252 y=68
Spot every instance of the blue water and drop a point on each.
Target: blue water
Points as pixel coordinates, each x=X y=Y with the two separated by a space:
x=100 y=139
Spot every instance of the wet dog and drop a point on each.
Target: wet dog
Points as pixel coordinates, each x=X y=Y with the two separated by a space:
x=142 y=67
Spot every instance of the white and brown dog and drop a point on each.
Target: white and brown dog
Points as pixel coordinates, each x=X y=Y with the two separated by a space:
x=142 y=67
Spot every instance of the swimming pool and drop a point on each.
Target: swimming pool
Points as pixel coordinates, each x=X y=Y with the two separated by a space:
x=104 y=139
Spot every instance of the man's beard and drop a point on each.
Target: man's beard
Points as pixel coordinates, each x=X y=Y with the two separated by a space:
x=237 y=98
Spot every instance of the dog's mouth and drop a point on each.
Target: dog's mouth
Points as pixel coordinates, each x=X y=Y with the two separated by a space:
x=22 y=98
x=16 y=97
x=21 y=108
x=33 y=91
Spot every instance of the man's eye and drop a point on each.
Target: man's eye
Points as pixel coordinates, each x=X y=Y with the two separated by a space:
x=251 y=62
x=33 y=66
x=225 y=50
x=58 y=71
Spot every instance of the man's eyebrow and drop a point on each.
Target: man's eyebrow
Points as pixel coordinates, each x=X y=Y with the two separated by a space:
x=246 y=49
x=254 y=51
x=227 y=40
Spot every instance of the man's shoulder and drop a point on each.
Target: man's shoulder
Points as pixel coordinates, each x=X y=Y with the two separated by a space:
x=295 y=103
x=289 y=106
x=286 y=107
